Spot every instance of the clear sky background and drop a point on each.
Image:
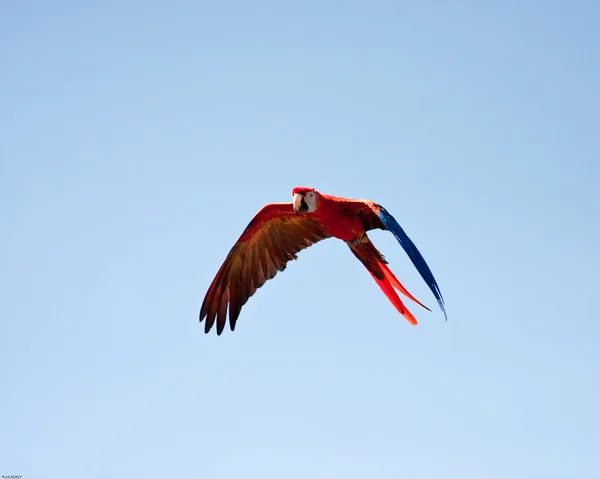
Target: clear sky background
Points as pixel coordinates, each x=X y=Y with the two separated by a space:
x=137 y=139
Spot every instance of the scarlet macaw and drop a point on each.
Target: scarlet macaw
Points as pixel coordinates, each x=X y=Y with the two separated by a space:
x=280 y=230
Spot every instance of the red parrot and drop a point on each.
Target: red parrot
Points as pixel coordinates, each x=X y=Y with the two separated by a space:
x=280 y=230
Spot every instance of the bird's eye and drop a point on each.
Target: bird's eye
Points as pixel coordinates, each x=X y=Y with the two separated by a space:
x=311 y=194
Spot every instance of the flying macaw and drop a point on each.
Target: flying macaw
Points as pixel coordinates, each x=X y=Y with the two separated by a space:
x=280 y=230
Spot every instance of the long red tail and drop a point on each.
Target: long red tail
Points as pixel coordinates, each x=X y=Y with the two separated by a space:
x=372 y=259
x=388 y=290
x=398 y=285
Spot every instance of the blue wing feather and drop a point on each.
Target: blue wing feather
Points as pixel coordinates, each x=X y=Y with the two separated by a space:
x=413 y=253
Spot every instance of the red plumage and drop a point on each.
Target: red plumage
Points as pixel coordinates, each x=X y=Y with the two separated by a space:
x=278 y=232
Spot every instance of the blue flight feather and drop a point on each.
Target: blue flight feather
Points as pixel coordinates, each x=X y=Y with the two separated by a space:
x=413 y=253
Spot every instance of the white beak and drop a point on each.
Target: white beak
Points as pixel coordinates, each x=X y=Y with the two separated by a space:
x=298 y=202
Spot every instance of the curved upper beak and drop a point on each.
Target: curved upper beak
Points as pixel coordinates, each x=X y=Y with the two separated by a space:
x=298 y=200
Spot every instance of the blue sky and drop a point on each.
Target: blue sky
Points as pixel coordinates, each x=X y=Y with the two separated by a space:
x=137 y=139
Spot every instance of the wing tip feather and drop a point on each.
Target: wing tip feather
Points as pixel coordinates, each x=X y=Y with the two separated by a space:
x=413 y=253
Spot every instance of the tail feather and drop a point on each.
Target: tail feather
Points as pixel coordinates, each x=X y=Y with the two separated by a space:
x=398 y=285
x=388 y=290
x=372 y=259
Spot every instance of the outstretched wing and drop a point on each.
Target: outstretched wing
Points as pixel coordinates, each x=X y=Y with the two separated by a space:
x=413 y=253
x=270 y=240
x=374 y=216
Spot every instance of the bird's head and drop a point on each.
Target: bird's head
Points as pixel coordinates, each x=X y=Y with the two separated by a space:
x=306 y=200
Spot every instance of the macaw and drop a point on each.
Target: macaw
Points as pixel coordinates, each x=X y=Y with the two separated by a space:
x=280 y=230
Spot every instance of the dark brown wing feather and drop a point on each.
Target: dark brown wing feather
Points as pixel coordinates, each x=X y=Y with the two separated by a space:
x=364 y=210
x=272 y=238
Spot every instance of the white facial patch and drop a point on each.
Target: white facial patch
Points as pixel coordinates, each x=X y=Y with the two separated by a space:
x=311 y=201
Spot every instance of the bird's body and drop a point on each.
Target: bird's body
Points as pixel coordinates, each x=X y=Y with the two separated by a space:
x=280 y=230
